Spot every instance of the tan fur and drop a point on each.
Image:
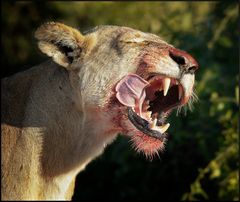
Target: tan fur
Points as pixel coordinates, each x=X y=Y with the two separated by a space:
x=55 y=120
x=59 y=33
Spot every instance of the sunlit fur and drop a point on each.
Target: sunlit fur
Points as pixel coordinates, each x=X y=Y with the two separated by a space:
x=148 y=146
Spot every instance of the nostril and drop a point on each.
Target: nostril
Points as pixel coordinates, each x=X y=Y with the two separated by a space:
x=185 y=61
x=192 y=69
x=178 y=58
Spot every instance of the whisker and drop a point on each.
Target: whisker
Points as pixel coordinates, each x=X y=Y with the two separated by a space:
x=179 y=109
x=193 y=98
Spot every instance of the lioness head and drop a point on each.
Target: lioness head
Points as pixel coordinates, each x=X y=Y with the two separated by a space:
x=131 y=79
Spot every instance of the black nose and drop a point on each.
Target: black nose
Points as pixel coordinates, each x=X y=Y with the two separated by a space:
x=185 y=61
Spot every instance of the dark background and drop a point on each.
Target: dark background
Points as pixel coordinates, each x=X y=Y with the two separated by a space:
x=201 y=159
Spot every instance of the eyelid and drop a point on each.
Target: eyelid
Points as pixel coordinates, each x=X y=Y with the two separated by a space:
x=137 y=40
x=134 y=40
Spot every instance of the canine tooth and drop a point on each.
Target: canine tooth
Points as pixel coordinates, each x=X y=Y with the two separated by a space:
x=162 y=129
x=166 y=84
x=152 y=125
x=180 y=92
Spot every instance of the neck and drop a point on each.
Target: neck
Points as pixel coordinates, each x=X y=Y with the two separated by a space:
x=71 y=137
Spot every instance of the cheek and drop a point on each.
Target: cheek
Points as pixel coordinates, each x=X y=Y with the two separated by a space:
x=150 y=61
x=144 y=69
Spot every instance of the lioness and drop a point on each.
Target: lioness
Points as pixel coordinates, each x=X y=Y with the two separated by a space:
x=60 y=115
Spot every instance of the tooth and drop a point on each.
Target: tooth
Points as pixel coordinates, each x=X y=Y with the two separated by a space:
x=149 y=114
x=166 y=84
x=180 y=92
x=162 y=129
x=152 y=125
x=145 y=106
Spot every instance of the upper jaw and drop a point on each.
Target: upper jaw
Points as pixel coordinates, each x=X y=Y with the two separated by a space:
x=185 y=84
x=166 y=82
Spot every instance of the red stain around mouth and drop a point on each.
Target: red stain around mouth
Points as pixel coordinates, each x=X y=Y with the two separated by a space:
x=149 y=146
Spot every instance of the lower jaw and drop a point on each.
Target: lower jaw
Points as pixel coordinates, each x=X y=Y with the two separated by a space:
x=145 y=144
x=141 y=142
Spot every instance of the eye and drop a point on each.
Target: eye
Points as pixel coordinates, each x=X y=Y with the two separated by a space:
x=137 y=40
x=134 y=40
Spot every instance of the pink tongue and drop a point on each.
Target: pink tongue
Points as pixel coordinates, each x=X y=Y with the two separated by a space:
x=131 y=91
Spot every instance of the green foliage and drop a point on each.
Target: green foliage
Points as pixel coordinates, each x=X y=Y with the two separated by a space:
x=201 y=160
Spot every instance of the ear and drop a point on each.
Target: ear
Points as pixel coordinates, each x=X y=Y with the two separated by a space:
x=63 y=43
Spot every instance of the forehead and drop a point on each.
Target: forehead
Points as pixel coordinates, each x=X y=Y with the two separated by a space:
x=125 y=34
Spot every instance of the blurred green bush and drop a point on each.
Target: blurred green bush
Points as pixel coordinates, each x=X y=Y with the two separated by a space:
x=201 y=161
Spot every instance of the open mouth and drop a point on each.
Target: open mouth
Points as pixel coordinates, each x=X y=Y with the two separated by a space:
x=150 y=102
